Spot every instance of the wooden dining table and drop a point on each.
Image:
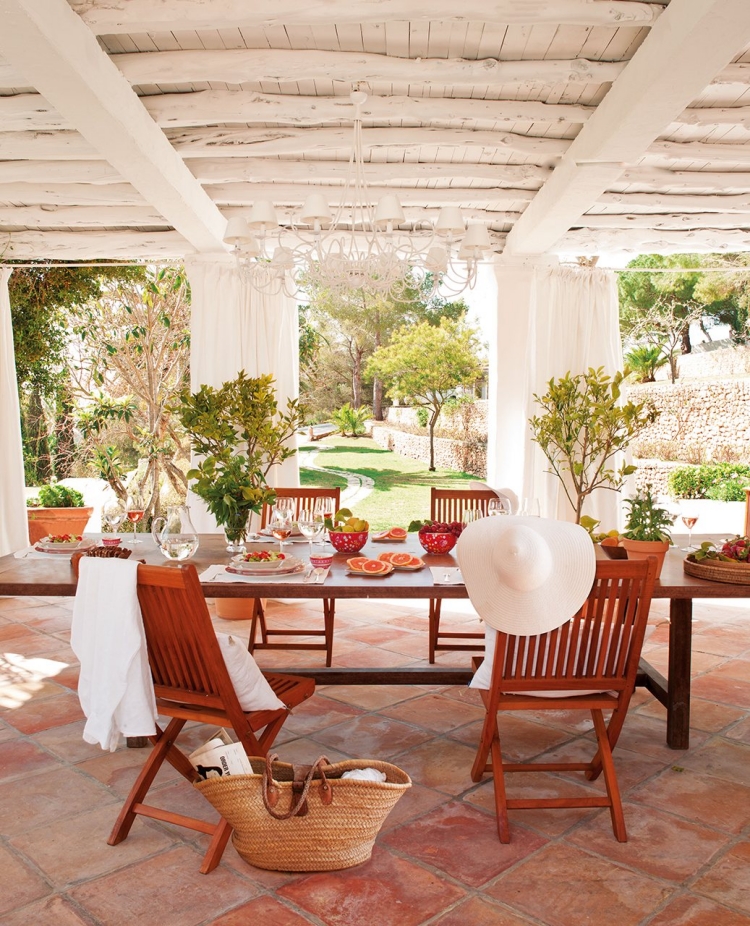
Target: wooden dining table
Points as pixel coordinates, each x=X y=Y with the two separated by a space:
x=53 y=576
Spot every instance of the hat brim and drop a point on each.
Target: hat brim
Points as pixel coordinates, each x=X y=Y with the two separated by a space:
x=539 y=610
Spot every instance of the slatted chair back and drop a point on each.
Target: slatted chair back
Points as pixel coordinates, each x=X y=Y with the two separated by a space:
x=589 y=663
x=304 y=498
x=448 y=505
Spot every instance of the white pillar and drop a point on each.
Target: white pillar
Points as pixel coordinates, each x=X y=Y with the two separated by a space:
x=14 y=531
x=551 y=320
x=235 y=328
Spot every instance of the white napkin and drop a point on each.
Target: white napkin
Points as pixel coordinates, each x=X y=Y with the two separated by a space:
x=446 y=575
x=219 y=574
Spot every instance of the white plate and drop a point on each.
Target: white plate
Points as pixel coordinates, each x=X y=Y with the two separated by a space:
x=288 y=566
x=44 y=546
x=262 y=565
x=296 y=534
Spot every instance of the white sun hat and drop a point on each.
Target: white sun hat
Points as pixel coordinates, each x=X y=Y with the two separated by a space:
x=526 y=575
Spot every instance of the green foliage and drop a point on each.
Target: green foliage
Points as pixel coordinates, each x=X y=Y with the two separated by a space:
x=645 y=520
x=423 y=416
x=350 y=420
x=718 y=481
x=57 y=496
x=644 y=361
x=582 y=426
x=240 y=434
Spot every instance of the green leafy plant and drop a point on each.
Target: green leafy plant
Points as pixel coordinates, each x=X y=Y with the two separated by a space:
x=56 y=496
x=423 y=417
x=350 y=420
x=590 y=526
x=718 y=481
x=644 y=361
x=240 y=434
x=582 y=426
x=646 y=520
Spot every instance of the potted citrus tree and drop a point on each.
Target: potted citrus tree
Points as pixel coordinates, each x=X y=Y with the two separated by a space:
x=647 y=528
x=56 y=510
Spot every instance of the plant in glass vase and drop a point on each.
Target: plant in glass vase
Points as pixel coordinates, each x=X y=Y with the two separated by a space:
x=239 y=433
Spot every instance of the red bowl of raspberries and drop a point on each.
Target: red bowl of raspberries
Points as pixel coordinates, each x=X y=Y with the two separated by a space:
x=438 y=537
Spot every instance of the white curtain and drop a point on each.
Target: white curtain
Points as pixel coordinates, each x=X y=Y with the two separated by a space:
x=14 y=532
x=551 y=320
x=235 y=328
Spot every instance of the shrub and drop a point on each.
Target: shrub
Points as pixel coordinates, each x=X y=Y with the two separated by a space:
x=56 y=496
x=423 y=416
x=351 y=420
x=718 y=481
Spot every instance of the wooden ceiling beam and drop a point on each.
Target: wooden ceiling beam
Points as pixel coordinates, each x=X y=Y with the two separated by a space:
x=70 y=194
x=652 y=241
x=57 y=53
x=689 y=44
x=112 y=244
x=92 y=217
x=244 y=194
x=117 y=17
x=40 y=171
x=675 y=202
x=685 y=221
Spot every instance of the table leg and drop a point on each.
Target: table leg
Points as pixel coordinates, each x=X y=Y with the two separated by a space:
x=678 y=698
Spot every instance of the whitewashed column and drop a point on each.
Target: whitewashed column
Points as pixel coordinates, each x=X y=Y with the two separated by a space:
x=14 y=531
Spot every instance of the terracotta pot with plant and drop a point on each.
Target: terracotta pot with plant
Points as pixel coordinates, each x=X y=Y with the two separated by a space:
x=647 y=528
x=56 y=510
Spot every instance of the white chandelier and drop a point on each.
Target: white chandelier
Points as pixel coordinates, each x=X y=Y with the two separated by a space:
x=357 y=247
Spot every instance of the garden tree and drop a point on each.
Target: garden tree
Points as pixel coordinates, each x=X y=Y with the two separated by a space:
x=426 y=364
x=728 y=292
x=41 y=298
x=644 y=361
x=133 y=360
x=358 y=322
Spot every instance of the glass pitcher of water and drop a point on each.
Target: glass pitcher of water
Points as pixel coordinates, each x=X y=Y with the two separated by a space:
x=175 y=535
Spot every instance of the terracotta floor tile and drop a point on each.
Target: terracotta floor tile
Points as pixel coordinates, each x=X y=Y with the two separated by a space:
x=52 y=911
x=67 y=742
x=740 y=731
x=19 y=885
x=689 y=910
x=78 y=862
x=23 y=757
x=728 y=881
x=386 y=890
x=647 y=736
x=440 y=764
x=520 y=738
x=563 y=886
x=723 y=641
x=39 y=799
x=170 y=890
x=720 y=758
x=369 y=697
x=261 y=910
x=35 y=716
x=724 y=689
x=658 y=843
x=118 y=770
x=15 y=694
x=462 y=842
x=415 y=802
x=477 y=911
x=435 y=712
x=704 y=715
x=372 y=735
x=318 y=713
x=724 y=805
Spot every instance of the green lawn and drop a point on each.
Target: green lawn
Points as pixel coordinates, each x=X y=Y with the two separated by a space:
x=402 y=485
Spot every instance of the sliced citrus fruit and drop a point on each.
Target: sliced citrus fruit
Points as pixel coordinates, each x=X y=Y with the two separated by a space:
x=397 y=533
x=385 y=557
x=357 y=562
x=374 y=566
x=416 y=562
x=401 y=559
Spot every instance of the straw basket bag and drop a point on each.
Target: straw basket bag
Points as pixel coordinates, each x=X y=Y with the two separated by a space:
x=305 y=818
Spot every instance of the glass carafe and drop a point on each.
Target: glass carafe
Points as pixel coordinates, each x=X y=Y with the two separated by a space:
x=175 y=535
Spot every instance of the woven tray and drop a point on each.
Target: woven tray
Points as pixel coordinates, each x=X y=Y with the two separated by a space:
x=717 y=571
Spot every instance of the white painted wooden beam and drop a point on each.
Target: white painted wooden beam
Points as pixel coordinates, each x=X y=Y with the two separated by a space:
x=117 y=17
x=239 y=194
x=70 y=194
x=235 y=66
x=668 y=202
x=44 y=146
x=92 y=217
x=258 y=170
x=699 y=151
x=715 y=115
x=689 y=44
x=58 y=172
x=29 y=112
x=115 y=244
x=47 y=42
x=716 y=181
x=265 y=142
x=642 y=241
x=414 y=214
x=686 y=221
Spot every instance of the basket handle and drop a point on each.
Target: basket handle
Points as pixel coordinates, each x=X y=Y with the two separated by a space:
x=303 y=776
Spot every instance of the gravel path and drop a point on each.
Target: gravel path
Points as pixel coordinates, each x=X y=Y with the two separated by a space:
x=357 y=487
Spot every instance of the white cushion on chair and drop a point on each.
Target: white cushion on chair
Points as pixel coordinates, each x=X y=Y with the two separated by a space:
x=253 y=691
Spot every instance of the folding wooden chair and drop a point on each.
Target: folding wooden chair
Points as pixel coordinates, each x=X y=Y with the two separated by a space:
x=448 y=505
x=304 y=497
x=191 y=682
x=592 y=661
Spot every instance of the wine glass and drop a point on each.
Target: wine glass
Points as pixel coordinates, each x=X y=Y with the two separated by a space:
x=135 y=509
x=326 y=506
x=689 y=519
x=530 y=508
x=311 y=525
x=281 y=524
x=470 y=514
x=498 y=506
x=113 y=514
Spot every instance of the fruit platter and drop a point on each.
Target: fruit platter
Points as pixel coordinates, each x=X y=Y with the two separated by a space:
x=347 y=533
x=392 y=535
x=437 y=536
x=62 y=543
x=725 y=562
x=402 y=561
x=364 y=566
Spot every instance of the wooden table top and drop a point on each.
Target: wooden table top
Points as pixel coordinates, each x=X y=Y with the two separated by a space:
x=53 y=576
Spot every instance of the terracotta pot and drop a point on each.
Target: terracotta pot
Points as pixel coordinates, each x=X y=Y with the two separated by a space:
x=46 y=521
x=234 y=609
x=640 y=549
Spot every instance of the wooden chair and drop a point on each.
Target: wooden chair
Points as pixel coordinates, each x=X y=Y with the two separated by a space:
x=304 y=497
x=448 y=505
x=592 y=660
x=191 y=682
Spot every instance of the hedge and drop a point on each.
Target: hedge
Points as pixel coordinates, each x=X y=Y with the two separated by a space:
x=724 y=482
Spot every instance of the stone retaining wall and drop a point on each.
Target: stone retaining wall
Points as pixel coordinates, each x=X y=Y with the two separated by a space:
x=468 y=456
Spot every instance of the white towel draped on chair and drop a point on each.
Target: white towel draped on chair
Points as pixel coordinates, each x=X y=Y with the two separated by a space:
x=115 y=687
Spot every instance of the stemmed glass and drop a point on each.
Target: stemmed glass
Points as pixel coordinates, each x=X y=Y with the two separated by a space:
x=326 y=506
x=530 y=508
x=281 y=524
x=497 y=506
x=135 y=510
x=311 y=524
x=469 y=515
x=689 y=519
x=113 y=514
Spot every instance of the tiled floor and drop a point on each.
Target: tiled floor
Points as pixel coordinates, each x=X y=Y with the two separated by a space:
x=437 y=859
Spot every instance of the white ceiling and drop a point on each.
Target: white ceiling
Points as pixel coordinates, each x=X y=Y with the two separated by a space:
x=131 y=128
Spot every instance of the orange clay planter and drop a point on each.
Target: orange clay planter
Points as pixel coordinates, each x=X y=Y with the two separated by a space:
x=44 y=522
